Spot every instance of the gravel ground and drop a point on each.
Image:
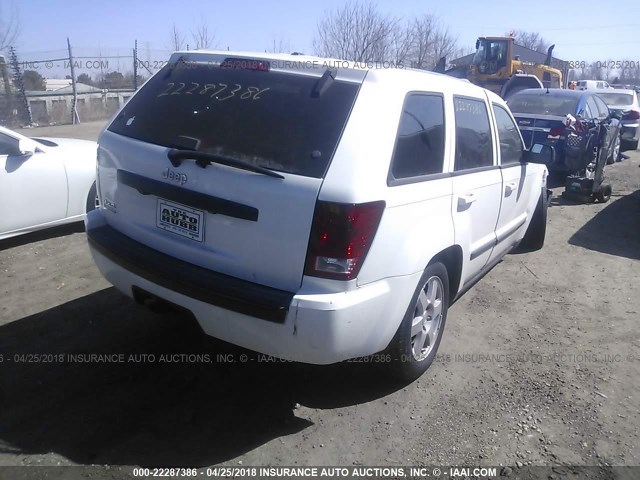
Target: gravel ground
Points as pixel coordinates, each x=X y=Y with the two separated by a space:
x=539 y=366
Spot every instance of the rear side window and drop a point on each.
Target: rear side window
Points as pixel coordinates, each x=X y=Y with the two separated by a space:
x=592 y=108
x=474 y=148
x=587 y=111
x=602 y=107
x=267 y=118
x=419 y=146
x=508 y=136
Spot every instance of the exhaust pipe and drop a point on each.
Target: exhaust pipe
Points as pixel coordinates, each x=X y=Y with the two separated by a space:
x=153 y=303
x=547 y=61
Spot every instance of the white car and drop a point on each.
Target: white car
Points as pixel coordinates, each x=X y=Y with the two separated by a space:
x=592 y=85
x=626 y=103
x=44 y=182
x=309 y=211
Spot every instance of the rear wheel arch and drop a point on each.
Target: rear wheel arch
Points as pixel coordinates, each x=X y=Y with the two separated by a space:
x=451 y=258
x=536 y=231
x=92 y=198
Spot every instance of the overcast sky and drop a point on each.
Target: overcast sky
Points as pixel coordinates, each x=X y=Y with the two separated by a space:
x=582 y=30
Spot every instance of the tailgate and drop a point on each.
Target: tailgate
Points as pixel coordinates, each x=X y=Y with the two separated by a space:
x=230 y=220
x=540 y=128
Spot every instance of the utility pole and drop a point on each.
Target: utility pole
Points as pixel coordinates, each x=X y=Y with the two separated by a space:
x=75 y=118
x=135 y=66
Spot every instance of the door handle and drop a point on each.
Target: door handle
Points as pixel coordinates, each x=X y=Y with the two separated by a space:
x=465 y=201
x=509 y=188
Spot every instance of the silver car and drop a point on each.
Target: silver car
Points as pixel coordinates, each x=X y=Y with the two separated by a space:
x=625 y=102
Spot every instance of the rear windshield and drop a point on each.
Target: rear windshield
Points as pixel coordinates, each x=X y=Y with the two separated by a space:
x=542 y=104
x=616 y=99
x=266 y=118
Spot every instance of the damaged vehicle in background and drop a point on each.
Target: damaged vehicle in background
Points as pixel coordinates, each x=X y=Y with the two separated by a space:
x=568 y=121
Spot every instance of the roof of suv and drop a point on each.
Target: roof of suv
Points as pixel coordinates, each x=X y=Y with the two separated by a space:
x=384 y=71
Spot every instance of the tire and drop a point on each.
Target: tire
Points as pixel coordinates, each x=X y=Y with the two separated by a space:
x=537 y=230
x=414 y=348
x=92 y=199
x=615 y=152
x=604 y=194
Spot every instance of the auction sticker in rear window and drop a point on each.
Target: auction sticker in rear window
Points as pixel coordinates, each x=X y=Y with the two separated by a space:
x=180 y=219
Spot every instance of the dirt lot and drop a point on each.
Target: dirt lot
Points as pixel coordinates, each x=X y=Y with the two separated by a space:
x=539 y=365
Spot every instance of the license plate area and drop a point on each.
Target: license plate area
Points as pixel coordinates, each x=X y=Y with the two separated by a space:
x=179 y=219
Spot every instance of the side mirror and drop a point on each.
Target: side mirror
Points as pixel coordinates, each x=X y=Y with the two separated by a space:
x=26 y=146
x=539 y=153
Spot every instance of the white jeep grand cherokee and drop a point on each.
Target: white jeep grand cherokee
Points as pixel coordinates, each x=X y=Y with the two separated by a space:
x=310 y=210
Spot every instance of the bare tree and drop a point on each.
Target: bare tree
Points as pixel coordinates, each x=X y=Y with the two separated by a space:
x=445 y=44
x=629 y=74
x=424 y=30
x=581 y=73
x=9 y=25
x=359 y=32
x=399 y=46
x=202 y=39
x=431 y=42
x=594 y=72
x=176 y=39
x=532 y=40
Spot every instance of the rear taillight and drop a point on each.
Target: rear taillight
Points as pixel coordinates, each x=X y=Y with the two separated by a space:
x=556 y=132
x=341 y=235
x=631 y=115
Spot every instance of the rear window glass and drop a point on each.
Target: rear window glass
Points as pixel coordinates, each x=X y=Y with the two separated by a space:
x=616 y=98
x=542 y=104
x=266 y=118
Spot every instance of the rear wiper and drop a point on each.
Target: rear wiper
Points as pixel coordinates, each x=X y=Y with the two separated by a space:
x=203 y=159
x=324 y=82
x=173 y=66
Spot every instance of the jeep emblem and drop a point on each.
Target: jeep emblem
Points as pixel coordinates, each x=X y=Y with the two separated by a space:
x=169 y=174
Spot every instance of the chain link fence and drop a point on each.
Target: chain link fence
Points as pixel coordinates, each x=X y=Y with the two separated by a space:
x=71 y=85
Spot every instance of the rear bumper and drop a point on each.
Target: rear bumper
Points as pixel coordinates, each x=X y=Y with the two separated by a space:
x=199 y=283
x=630 y=132
x=310 y=327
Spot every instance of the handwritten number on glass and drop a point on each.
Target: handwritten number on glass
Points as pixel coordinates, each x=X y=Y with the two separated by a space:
x=169 y=87
x=213 y=90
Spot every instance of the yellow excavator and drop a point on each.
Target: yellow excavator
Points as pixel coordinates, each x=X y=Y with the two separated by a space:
x=496 y=68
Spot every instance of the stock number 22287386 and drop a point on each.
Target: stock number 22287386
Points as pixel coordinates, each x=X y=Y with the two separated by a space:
x=219 y=91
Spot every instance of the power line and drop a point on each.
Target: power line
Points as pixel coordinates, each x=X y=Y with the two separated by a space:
x=598 y=43
x=501 y=27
